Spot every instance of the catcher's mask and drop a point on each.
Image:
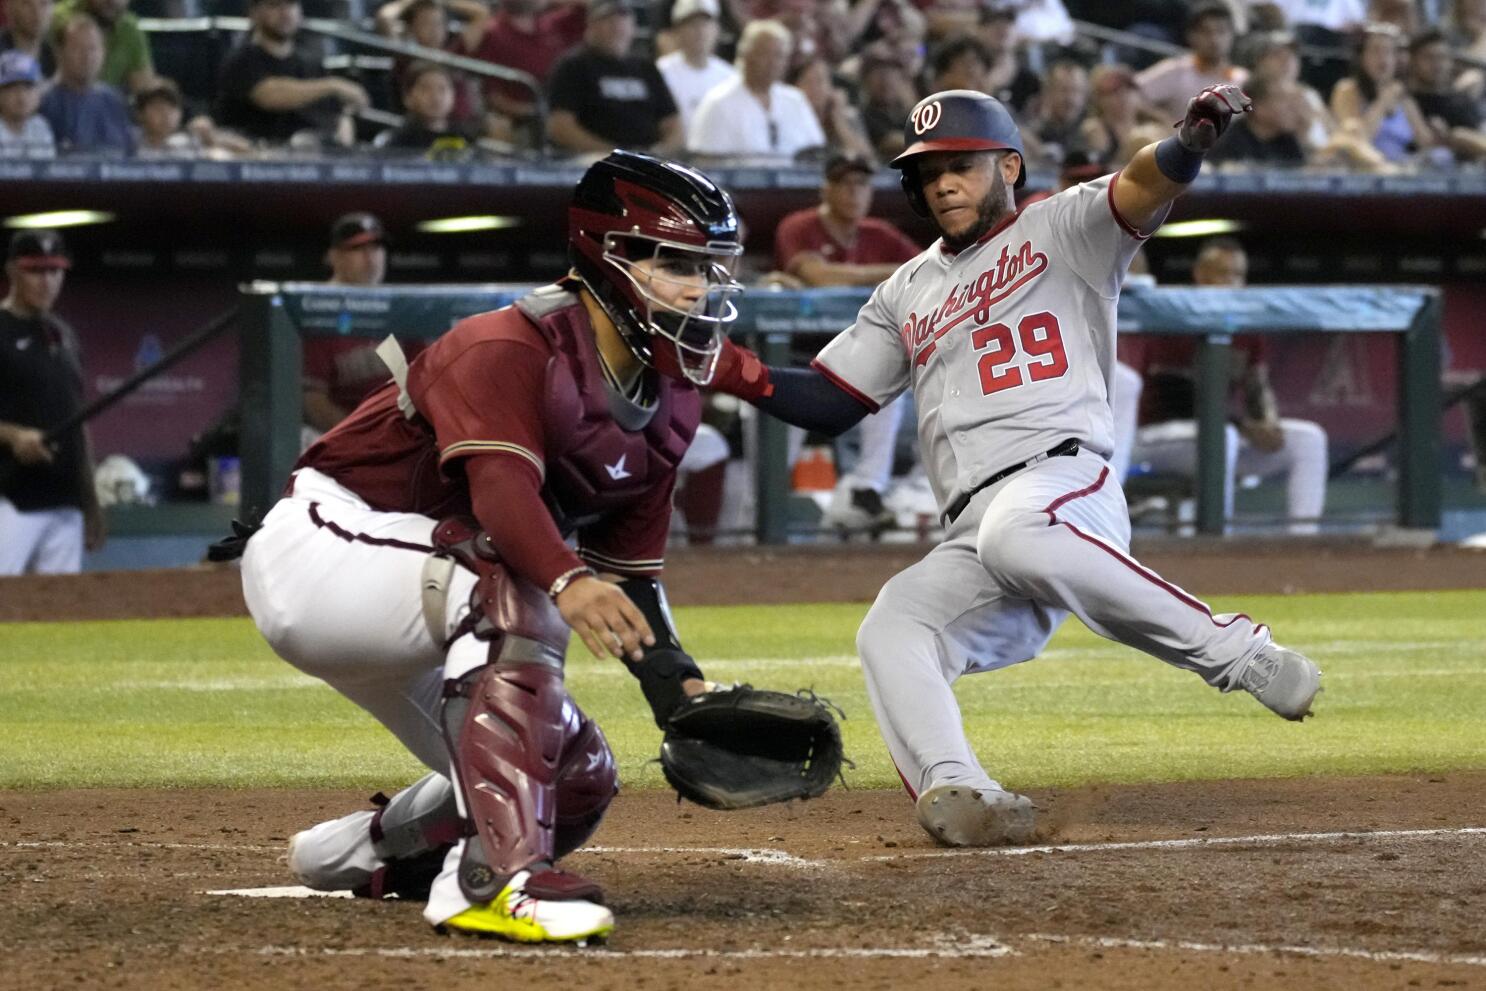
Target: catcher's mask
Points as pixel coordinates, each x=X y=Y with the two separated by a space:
x=655 y=243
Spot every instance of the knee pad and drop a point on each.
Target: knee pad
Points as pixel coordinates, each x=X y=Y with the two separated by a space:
x=586 y=784
x=506 y=726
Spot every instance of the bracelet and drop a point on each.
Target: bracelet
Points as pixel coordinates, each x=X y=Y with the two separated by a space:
x=567 y=578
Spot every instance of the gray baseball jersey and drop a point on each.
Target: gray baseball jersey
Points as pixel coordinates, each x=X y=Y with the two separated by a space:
x=1008 y=345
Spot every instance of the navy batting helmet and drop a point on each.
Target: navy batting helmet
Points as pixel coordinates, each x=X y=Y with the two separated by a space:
x=955 y=120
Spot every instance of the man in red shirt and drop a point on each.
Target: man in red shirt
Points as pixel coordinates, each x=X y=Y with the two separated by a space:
x=837 y=244
x=432 y=552
x=529 y=35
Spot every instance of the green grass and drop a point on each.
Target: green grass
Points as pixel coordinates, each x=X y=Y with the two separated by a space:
x=205 y=703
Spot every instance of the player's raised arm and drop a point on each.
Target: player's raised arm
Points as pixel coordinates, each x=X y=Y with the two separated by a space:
x=1160 y=172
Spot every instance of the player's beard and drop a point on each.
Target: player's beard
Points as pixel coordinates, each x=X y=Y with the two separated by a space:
x=987 y=215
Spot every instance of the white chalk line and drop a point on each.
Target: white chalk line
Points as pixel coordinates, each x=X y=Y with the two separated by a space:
x=750 y=855
x=1376 y=956
x=281 y=891
x=980 y=948
x=104 y=845
x=1268 y=839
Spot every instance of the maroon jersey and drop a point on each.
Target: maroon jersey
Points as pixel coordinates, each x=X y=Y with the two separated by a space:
x=877 y=242
x=1168 y=363
x=524 y=382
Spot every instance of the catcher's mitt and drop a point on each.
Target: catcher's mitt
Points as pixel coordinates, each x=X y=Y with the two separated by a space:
x=738 y=747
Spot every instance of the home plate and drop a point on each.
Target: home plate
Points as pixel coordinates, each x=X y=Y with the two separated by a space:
x=288 y=891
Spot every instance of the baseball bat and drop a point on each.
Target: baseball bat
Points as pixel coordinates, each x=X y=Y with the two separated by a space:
x=1343 y=465
x=213 y=328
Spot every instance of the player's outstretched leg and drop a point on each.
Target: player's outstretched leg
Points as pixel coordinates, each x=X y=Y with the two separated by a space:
x=937 y=620
x=1058 y=533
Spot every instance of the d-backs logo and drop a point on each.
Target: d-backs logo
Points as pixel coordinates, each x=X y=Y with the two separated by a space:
x=972 y=299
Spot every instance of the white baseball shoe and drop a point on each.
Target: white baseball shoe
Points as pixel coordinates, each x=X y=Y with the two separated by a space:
x=517 y=915
x=856 y=511
x=959 y=815
x=1285 y=681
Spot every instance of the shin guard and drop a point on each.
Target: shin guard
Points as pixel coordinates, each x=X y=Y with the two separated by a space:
x=586 y=783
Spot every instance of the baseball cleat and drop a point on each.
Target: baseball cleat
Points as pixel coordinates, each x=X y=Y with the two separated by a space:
x=958 y=815
x=1286 y=682
x=857 y=511
x=522 y=918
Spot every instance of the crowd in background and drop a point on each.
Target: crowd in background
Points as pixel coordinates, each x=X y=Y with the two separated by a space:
x=1376 y=85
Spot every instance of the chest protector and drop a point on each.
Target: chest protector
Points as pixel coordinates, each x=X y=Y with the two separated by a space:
x=603 y=452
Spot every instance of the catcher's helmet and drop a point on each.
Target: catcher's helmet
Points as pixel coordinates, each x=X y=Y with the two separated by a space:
x=955 y=120
x=630 y=208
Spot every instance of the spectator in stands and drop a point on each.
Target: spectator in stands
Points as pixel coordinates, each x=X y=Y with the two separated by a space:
x=428 y=107
x=23 y=132
x=1115 y=110
x=1323 y=23
x=529 y=35
x=757 y=114
x=339 y=372
x=693 y=68
x=426 y=23
x=1259 y=441
x=28 y=26
x=1055 y=126
x=603 y=98
x=1402 y=14
x=1373 y=104
x=962 y=62
x=48 y=506
x=158 y=108
x=85 y=115
x=839 y=120
x=126 y=50
x=1267 y=135
x=1170 y=83
x=269 y=92
x=1275 y=56
x=1466 y=27
x=1008 y=78
x=887 y=97
x=837 y=243
x=1454 y=117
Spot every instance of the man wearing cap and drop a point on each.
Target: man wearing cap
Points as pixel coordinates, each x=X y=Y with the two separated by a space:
x=341 y=371
x=693 y=68
x=604 y=98
x=127 y=64
x=268 y=91
x=48 y=509
x=838 y=244
x=28 y=24
x=757 y=114
x=23 y=132
x=86 y=114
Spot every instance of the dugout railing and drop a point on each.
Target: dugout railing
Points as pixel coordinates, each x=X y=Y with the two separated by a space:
x=279 y=315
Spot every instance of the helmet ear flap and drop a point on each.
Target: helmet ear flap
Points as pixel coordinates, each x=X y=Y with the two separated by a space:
x=913 y=189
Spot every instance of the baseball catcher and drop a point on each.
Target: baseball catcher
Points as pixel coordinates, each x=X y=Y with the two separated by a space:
x=433 y=551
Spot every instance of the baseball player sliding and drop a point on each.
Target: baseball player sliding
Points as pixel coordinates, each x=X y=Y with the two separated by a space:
x=1005 y=331
x=462 y=477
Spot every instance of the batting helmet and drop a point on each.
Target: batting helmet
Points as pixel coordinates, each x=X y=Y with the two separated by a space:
x=629 y=209
x=955 y=120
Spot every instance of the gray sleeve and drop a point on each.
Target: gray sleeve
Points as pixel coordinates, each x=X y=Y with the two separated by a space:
x=867 y=359
x=1095 y=240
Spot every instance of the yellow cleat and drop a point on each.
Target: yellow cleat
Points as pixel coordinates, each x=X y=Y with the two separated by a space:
x=522 y=918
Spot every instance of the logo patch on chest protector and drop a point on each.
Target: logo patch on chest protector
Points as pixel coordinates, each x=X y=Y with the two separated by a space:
x=972 y=300
x=617 y=471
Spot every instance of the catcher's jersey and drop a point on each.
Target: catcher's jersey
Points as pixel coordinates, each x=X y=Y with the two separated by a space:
x=1008 y=345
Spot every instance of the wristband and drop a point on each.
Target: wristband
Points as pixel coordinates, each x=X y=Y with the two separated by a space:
x=740 y=373
x=562 y=581
x=1176 y=161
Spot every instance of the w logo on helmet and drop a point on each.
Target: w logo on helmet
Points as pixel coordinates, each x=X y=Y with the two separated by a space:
x=926 y=116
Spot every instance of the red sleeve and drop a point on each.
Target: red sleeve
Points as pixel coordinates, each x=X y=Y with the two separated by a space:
x=487 y=400
x=790 y=239
x=631 y=543
x=1254 y=346
x=507 y=498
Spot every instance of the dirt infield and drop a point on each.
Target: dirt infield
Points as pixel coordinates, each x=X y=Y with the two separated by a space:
x=747 y=576
x=108 y=889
